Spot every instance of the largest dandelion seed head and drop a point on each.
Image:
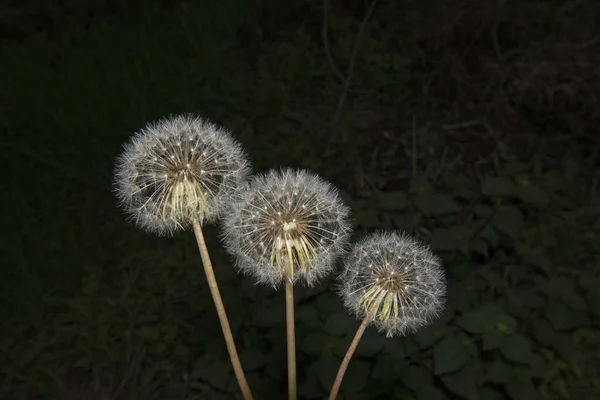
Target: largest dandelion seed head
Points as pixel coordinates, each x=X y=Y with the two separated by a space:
x=394 y=281
x=178 y=169
x=286 y=224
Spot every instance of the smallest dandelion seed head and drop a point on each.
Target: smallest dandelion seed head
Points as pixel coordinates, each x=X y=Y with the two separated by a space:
x=286 y=224
x=178 y=169
x=394 y=281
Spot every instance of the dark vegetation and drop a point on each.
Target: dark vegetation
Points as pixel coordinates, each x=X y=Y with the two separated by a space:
x=472 y=125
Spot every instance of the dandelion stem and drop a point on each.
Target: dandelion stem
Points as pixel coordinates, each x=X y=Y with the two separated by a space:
x=344 y=365
x=291 y=334
x=291 y=338
x=216 y=295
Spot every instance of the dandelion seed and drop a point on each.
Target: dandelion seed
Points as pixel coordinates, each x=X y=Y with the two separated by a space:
x=166 y=185
x=177 y=169
x=286 y=224
x=283 y=227
x=395 y=281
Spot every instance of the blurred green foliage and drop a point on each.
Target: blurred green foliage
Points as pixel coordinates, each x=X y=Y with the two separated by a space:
x=92 y=307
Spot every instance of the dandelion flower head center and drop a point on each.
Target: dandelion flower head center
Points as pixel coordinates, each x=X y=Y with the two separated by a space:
x=389 y=280
x=182 y=174
x=287 y=225
x=290 y=237
x=390 y=286
x=394 y=281
x=176 y=170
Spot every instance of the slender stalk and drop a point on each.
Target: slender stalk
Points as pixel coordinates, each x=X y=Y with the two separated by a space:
x=291 y=333
x=344 y=365
x=216 y=295
x=291 y=338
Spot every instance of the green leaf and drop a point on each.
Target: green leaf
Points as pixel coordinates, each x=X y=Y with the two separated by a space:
x=270 y=316
x=384 y=370
x=521 y=390
x=543 y=332
x=326 y=302
x=532 y=195
x=474 y=322
x=391 y=201
x=356 y=376
x=406 y=222
x=492 y=278
x=491 y=236
x=150 y=333
x=310 y=387
x=416 y=377
x=493 y=339
x=517 y=348
x=498 y=186
x=157 y=348
x=181 y=351
x=410 y=346
x=216 y=375
x=593 y=301
x=435 y=204
x=589 y=282
x=539 y=368
x=337 y=345
x=533 y=300
x=449 y=356
x=500 y=372
x=427 y=336
x=462 y=383
x=313 y=343
x=560 y=386
x=462 y=237
x=308 y=316
x=480 y=246
x=371 y=344
x=428 y=393
x=326 y=369
x=420 y=185
x=488 y=317
x=486 y=393
x=556 y=287
x=253 y=359
x=340 y=324
x=575 y=301
x=508 y=220
x=443 y=240
x=506 y=324
x=170 y=334
x=367 y=218
x=565 y=346
x=199 y=386
x=460 y=295
x=561 y=288
x=563 y=319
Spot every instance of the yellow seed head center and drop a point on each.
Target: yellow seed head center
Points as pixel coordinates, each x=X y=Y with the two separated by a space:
x=293 y=250
x=185 y=193
x=382 y=297
x=289 y=226
x=390 y=281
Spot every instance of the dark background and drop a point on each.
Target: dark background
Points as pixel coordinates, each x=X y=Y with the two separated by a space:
x=472 y=125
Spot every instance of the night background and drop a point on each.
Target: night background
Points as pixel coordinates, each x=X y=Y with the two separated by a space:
x=472 y=125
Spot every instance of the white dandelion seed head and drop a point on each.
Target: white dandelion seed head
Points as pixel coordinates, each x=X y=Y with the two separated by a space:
x=394 y=280
x=178 y=168
x=286 y=224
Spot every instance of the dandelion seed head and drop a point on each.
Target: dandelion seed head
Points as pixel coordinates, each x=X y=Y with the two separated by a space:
x=176 y=169
x=286 y=224
x=394 y=280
